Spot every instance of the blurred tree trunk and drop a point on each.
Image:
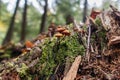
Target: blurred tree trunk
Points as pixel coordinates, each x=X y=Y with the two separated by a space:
x=9 y=34
x=44 y=16
x=24 y=22
x=85 y=10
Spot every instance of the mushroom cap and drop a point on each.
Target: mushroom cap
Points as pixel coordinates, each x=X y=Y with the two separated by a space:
x=59 y=26
x=52 y=25
x=50 y=29
x=75 y=29
x=58 y=35
x=66 y=32
x=60 y=29
x=81 y=31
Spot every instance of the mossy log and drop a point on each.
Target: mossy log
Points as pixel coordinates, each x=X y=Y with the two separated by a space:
x=18 y=66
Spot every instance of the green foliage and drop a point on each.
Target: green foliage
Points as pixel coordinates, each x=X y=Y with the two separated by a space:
x=33 y=22
x=98 y=22
x=4 y=20
x=66 y=6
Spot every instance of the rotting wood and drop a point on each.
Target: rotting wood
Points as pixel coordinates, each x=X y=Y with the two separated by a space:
x=71 y=75
x=67 y=65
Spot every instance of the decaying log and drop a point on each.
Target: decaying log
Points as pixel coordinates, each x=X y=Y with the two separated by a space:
x=111 y=23
x=73 y=70
x=29 y=60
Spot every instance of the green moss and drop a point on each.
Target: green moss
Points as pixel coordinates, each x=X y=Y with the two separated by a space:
x=100 y=35
x=22 y=70
x=98 y=22
x=55 y=51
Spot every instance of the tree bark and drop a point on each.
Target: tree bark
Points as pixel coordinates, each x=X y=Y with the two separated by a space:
x=24 y=22
x=85 y=10
x=9 y=34
x=44 y=16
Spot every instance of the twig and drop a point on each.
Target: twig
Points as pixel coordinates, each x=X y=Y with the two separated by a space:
x=88 y=42
x=108 y=76
x=57 y=68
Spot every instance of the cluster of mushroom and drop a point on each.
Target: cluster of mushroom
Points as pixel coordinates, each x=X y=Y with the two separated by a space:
x=62 y=31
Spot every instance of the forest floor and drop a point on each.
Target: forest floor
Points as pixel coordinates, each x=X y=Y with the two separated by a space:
x=89 y=51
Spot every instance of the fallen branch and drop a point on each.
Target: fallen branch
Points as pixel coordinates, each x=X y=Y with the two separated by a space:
x=67 y=65
x=88 y=41
x=71 y=75
x=29 y=60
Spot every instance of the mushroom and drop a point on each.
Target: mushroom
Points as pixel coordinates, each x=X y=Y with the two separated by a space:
x=52 y=26
x=58 y=35
x=51 y=30
x=66 y=32
x=59 y=26
x=75 y=29
x=60 y=29
x=81 y=31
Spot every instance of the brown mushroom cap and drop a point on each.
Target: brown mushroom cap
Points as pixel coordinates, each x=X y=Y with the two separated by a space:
x=58 y=35
x=52 y=25
x=59 y=26
x=75 y=29
x=66 y=32
x=50 y=29
x=81 y=31
x=60 y=29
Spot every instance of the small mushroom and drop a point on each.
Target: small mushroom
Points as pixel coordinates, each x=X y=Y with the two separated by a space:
x=60 y=29
x=52 y=25
x=58 y=35
x=59 y=26
x=80 y=30
x=75 y=29
x=50 y=29
x=66 y=32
